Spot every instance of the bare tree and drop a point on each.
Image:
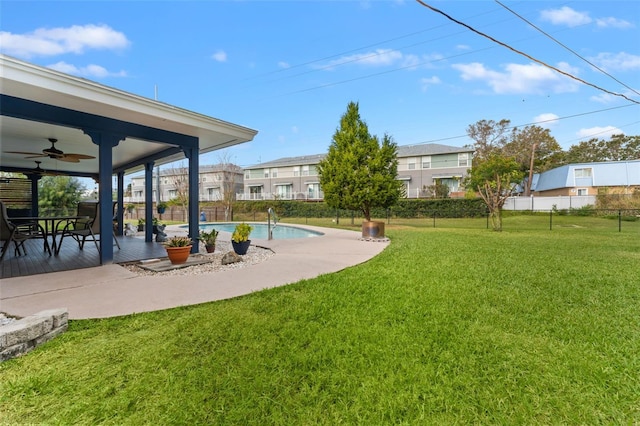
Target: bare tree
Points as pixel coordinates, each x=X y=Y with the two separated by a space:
x=230 y=174
x=178 y=178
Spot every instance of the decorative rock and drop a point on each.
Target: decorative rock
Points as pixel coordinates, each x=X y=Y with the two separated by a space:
x=230 y=257
x=161 y=236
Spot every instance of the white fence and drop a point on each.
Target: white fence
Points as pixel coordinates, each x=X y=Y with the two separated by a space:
x=562 y=202
x=303 y=196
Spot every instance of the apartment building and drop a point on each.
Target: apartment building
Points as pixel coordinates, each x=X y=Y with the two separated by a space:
x=419 y=166
x=214 y=181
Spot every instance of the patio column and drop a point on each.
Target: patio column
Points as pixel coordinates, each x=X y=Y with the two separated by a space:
x=105 y=141
x=34 y=193
x=120 y=199
x=148 y=201
x=194 y=205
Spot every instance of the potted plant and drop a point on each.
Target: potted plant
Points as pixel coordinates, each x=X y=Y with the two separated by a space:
x=155 y=224
x=240 y=238
x=178 y=249
x=209 y=239
x=161 y=207
x=140 y=225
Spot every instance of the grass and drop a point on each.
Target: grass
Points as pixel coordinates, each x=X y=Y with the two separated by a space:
x=447 y=325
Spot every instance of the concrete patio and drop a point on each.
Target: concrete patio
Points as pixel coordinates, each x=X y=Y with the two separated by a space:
x=112 y=290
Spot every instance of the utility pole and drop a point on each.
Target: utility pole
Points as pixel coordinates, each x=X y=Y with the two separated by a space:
x=533 y=153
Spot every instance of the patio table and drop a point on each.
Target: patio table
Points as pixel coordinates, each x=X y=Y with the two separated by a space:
x=54 y=221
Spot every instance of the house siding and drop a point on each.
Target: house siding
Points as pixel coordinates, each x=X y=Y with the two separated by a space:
x=620 y=177
x=419 y=166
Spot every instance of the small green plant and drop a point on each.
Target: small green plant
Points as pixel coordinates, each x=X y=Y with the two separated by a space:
x=178 y=241
x=130 y=208
x=161 y=207
x=140 y=221
x=241 y=233
x=209 y=238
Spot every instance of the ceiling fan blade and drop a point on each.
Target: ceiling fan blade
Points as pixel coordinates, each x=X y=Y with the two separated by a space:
x=68 y=159
x=36 y=156
x=24 y=153
x=79 y=156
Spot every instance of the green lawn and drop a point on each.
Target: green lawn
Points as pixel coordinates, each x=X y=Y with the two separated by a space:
x=449 y=325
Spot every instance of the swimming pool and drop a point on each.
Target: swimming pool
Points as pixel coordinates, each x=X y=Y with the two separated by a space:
x=280 y=232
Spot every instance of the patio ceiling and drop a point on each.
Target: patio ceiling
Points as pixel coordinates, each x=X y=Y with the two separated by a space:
x=42 y=86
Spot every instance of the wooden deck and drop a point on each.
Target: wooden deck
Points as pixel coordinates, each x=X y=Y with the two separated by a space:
x=37 y=261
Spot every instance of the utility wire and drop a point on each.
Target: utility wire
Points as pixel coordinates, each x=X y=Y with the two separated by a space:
x=531 y=124
x=566 y=47
x=524 y=54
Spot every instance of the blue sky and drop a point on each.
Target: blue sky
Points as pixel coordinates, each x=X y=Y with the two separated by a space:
x=289 y=68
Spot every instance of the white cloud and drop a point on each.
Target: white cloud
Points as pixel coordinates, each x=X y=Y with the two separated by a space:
x=546 y=119
x=56 y=41
x=380 y=57
x=463 y=47
x=219 y=56
x=283 y=65
x=617 y=61
x=599 y=132
x=426 y=82
x=88 y=71
x=383 y=57
x=294 y=129
x=565 y=16
x=611 y=22
x=517 y=78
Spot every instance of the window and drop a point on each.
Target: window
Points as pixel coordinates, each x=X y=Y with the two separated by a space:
x=426 y=162
x=305 y=170
x=411 y=163
x=274 y=173
x=296 y=171
x=583 y=191
x=266 y=173
x=463 y=159
x=583 y=173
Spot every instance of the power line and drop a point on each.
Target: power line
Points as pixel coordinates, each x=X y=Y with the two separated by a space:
x=525 y=54
x=533 y=123
x=566 y=47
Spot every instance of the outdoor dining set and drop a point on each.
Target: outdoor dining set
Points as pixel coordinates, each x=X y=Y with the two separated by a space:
x=17 y=227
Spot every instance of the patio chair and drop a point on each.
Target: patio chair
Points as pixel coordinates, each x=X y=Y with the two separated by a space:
x=82 y=230
x=9 y=233
x=28 y=226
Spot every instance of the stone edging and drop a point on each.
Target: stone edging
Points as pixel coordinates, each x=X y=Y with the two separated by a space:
x=21 y=336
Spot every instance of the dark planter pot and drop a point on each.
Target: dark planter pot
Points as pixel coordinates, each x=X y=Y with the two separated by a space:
x=155 y=229
x=160 y=210
x=242 y=247
x=210 y=248
x=372 y=229
x=140 y=228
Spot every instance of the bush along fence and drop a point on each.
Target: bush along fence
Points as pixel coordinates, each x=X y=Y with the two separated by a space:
x=405 y=209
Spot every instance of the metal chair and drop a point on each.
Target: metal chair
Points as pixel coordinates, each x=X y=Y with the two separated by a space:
x=82 y=230
x=9 y=233
x=28 y=226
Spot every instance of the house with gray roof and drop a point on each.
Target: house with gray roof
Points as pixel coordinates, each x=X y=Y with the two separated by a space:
x=612 y=177
x=419 y=166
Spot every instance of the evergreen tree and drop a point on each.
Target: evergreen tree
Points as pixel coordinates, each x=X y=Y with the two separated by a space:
x=359 y=172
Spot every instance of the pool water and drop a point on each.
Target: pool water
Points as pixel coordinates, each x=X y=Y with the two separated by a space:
x=280 y=232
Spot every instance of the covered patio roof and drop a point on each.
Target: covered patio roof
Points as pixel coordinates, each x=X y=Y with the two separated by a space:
x=34 y=101
x=100 y=131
